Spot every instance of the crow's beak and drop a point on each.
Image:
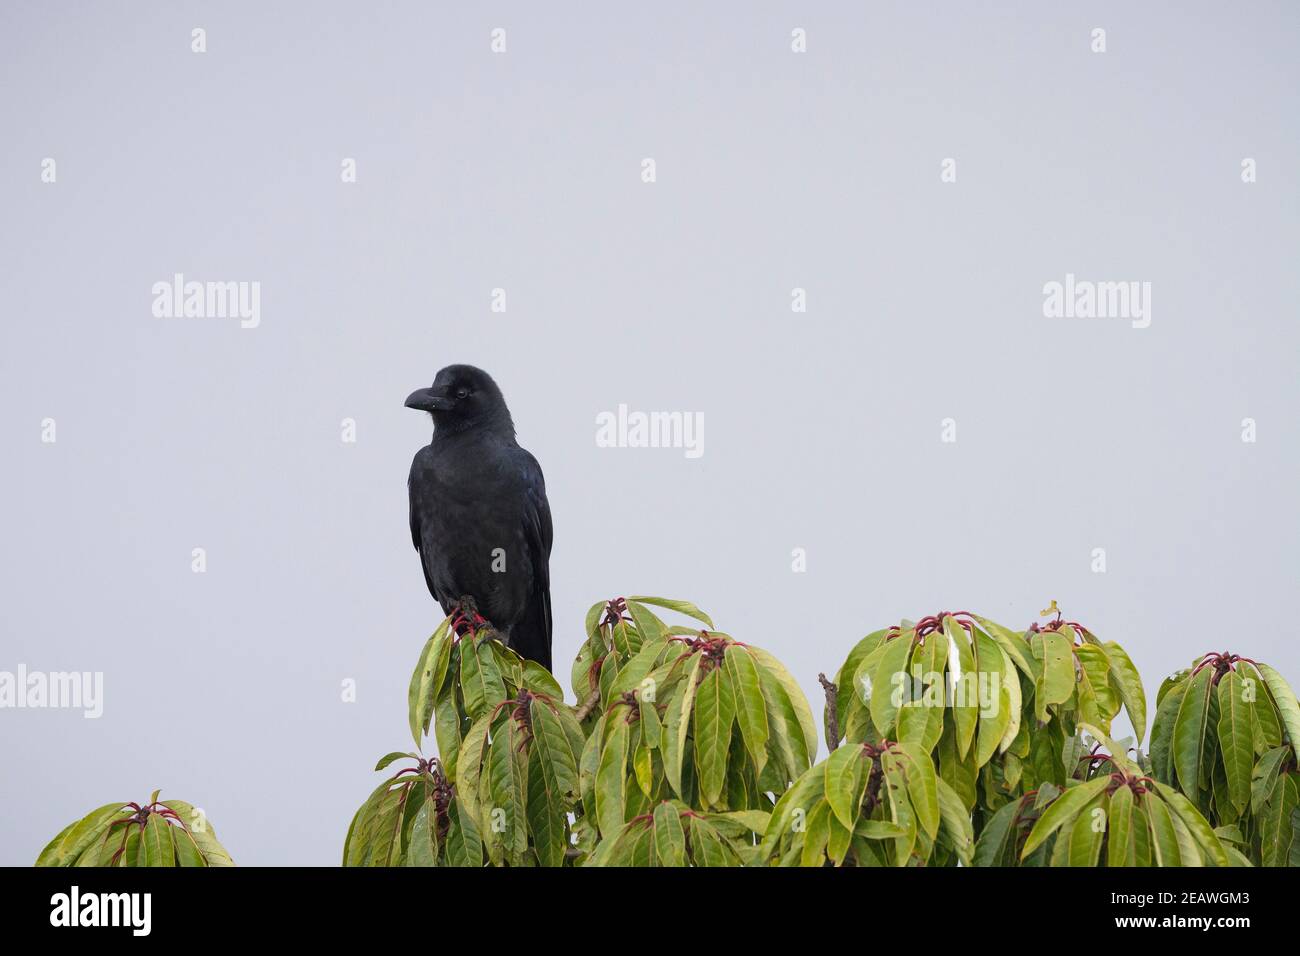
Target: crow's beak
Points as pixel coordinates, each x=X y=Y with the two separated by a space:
x=427 y=400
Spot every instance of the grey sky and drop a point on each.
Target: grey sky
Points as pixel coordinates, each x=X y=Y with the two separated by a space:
x=522 y=171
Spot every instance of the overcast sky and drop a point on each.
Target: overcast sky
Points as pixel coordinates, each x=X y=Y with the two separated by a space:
x=523 y=171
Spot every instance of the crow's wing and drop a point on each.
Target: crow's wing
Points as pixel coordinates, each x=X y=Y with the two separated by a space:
x=531 y=637
x=416 y=537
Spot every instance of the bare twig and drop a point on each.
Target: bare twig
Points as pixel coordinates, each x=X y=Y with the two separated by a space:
x=832 y=712
x=588 y=705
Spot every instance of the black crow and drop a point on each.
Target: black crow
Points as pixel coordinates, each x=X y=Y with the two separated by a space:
x=479 y=516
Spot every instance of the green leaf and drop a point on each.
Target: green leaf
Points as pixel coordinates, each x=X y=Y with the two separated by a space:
x=891 y=669
x=956 y=823
x=751 y=710
x=1128 y=683
x=429 y=672
x=646 y=622
x=681 y=607
x=995 y=678
x=508 y=786
x=480 y=677
x=1195 y=823
x=555 y=749
x=997 y=836
x=159 y=850
x=1190 y=728
x=547 y=808
x=1264 y=776
x=846 y=782
x=1162 y=731
x=80 y=835
x=201 y=830
x=714 y=713
x=1236 y=739
x=611 y=778
x=1120 y=849
x=385 y=760
x=1164 y=836
x=680 y=706
x=670 y=840
x=1086 y=837
x=797 y=701
x=922 y=788
x=1285 y=701
x=1062 y=810
x=423 y=849
x=965 y=708
x=187 y=851
x=464 y=842
x=1056 y=686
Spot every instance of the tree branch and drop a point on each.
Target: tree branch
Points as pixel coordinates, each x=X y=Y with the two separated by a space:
x=588 y=705
x=832 y=714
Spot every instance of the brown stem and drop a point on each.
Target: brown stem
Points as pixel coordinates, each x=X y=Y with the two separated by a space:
x=588 y=705
x=832 y=712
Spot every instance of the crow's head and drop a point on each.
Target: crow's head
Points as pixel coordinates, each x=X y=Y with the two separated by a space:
x=462 y=396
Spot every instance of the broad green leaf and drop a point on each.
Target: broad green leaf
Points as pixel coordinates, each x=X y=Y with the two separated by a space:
x=1056 y=686
x=997 y=837
x=201 y=830
x=920 y=714
x=996 y=674
x=80 y=835
x=1191 y=818
x=1236 y=739
x=611 y=778
x=891 y=670
x=1164 y=837
x=187 y=851
x=922 y=788
x=1120 y=844
x=1128 y=683
x=423 y=848
x=1264 y=776
x=547 y=807
x=715 y=712
x=469 y=763
x=846 y=782
x=480 y=677
x=1285 y=701
x=1190 y=728
x=679 y=712
x=670 y=841
x=1162 y=731
x=159 y=850
x=797 y=701
x=751 y=710
x=385 y=760
x=1061 y=811
x=506 y=817
x=963 y=680
x=1015 y=645
x=1086 y=835
x=681 y=607
x=646 y=622
x=429 y=672
x=956 y=823
x=816 y=836
x=555 y=749
x=464 y=842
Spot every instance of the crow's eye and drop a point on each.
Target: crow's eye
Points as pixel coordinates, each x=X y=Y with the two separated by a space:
x=462 y=392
